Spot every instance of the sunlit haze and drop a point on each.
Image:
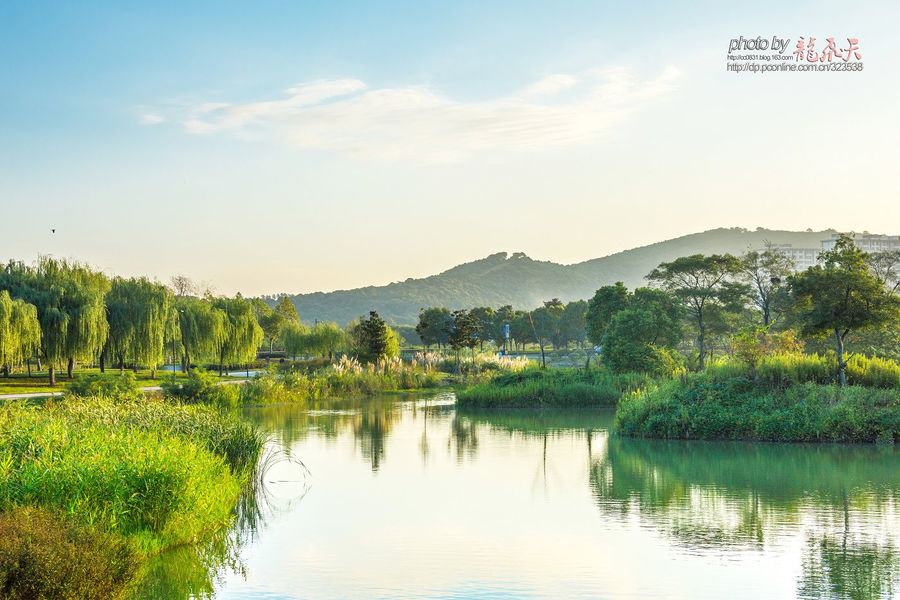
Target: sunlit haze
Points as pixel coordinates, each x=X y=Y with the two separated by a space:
x=293 y=147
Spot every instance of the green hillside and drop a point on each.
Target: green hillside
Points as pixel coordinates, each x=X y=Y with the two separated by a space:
x=524 y=282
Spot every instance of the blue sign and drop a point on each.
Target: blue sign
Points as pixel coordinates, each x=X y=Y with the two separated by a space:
x=506 y=331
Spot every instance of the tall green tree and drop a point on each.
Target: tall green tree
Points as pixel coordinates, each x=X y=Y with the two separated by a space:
x=606 y=302
x=483 y=317
x=20 y=331
x=642 y=336
x=766 y=273
x=201 y=327
x=573 y=323
x=841 y=296
x=295 y=339
x=327 y=338
x=287 y=311
x=242 y=333
x=464 y=333
x=704 y=284
x=372 y=338
x=434 y=326
x=544 y=322
x=70 y=302
x=139 y=312
x=271 y=321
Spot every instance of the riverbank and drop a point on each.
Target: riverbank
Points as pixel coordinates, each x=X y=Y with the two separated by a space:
x=703 y=406
x=558 y=388
x=139 y=475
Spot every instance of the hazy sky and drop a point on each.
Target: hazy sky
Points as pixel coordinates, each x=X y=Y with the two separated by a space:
x=297 y=146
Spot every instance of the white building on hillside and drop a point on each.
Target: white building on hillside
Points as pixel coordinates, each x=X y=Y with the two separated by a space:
x=807 y=257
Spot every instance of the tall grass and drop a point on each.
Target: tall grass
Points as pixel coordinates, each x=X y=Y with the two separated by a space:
x=536 y=387
x=710 y=406
x=781 y=370
x=158 y=474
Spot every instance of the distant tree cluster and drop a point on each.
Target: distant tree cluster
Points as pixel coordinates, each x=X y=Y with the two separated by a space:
x=701 y=305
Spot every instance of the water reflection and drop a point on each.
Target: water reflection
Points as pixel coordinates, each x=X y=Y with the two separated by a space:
x=804 y=520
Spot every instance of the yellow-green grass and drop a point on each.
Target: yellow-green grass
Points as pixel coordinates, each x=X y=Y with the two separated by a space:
x=155 y=473
x=20 y=383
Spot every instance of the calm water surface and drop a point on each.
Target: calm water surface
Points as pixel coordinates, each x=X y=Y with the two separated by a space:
x=412 y=499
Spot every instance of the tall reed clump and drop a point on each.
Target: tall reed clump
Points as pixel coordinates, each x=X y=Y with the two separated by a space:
x=703 y=406
x=536 y=387
x=781 y=370
x=157 y=474
x=44 y=554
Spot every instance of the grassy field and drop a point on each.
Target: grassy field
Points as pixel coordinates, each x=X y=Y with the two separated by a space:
x=21 y=383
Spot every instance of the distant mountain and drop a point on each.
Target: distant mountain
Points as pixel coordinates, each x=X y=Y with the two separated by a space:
x=524 y=282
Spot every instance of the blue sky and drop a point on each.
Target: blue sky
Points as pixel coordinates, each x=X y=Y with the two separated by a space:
x=277 y=146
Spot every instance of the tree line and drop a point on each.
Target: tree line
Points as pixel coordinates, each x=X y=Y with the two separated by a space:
x=59 y=313
x=700 y=304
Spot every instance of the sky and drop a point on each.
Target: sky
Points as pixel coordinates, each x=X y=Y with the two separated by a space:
x=272 y=147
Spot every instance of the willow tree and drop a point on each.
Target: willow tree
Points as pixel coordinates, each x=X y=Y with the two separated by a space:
x=20 y=331
x=138 y=313
x=243 y=334
x=88 y=328
x=201 y=329
x=69 y=298
x=295 y=339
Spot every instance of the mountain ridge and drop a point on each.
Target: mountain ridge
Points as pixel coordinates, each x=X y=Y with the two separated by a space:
x=515 y=278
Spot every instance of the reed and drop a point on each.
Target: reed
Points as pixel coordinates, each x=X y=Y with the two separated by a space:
x=536 y=387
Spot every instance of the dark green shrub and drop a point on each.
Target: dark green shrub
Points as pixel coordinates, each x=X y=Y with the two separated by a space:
x=202 y=387
x=44 y=555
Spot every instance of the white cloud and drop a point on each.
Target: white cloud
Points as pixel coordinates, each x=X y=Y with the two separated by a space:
x=344 y=115
x=552 y=84
x=152 y=119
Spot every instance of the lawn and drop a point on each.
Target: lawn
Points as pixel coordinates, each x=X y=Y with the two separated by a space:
x=21 y=383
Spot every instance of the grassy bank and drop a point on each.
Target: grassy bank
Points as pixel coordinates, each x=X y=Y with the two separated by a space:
x=710 y=406
x=564 y=387
x=149 y=474
x=346 y=378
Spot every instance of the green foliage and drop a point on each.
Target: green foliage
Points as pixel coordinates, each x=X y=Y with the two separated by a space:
x=201 y=327
x=706 y=287
x=43 y=554
x=119 y=385
x=294 y=339
x=156 y=473
x=434 y=326
x=242 y=333
x=201 y=387
x=766 y=274
x=69 y=299
x=642 y=333
x=606 y=302
x=326 y=339
x=138 y=312
x=703 y=406
x=20 y=330
x=550 y=387
x=373 y=339
x=842 y=296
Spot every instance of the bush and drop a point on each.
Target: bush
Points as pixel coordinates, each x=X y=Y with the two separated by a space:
x=44 y=555
x=201 y=387
x=108 y=385
x=702 y=406
x=536 y=387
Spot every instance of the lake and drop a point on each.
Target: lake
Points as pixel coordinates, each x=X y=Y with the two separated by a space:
x=408 y=498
